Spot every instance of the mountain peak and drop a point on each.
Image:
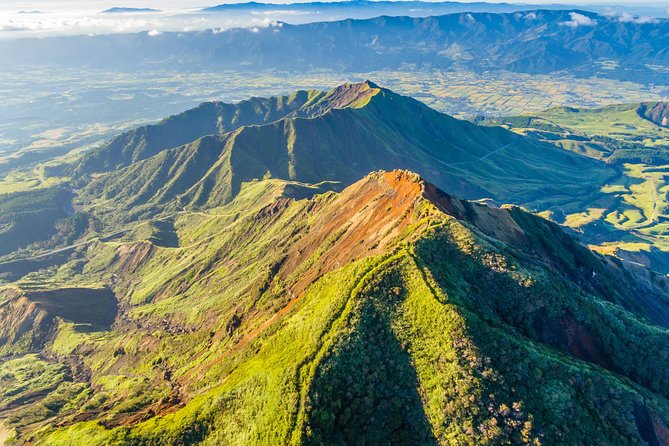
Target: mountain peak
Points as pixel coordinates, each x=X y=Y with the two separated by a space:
x=351 y=95
x=400 y=179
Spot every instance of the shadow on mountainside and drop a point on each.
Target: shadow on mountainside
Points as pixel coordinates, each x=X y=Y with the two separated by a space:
x=366 y=390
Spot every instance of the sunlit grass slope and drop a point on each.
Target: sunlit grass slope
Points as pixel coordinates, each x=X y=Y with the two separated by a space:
x=387 y=313
x=627 y=216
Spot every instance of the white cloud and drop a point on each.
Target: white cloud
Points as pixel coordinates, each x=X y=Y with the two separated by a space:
x=626 y=17
x=90 y=22
x=531 y=16
x=154 y=33
x=579 y=20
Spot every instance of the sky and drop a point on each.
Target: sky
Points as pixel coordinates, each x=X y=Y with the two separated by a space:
x=87 y=5
x=43 y=18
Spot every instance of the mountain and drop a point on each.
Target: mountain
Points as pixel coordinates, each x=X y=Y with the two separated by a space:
x=339 y=135
x=359 y=8
x=657 y=112
x=376 y=8
x=208 y=118
x=389 y=312
x=540 y=41
x=123 y=10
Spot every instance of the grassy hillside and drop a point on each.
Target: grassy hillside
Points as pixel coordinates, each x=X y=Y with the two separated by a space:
x=657 y=112
x=389 y=312
x=628 y=214
x=341 y=135
x=31 y=216
x=208 y=118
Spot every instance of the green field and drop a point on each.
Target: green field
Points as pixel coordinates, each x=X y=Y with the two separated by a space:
x=628 y=216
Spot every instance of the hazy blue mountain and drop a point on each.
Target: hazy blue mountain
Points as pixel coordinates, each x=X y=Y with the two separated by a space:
x=123 y=10
x=358 y=8
x=540 y=41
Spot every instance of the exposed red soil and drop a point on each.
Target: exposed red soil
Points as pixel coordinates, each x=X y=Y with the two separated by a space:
x=361 y=221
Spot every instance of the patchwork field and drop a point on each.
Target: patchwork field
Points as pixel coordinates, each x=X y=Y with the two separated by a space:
x=628 y=216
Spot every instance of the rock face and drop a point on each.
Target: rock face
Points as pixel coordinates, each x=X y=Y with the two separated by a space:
x=30 y=318
x=657 y=112
x=388 y=312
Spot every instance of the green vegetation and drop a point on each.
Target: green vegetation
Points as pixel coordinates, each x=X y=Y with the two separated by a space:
x=31 y=216
x=630 y=209
x=232 y=290
x=24 y=180
x=322 y=140
x=370 y=315
x=656 y=112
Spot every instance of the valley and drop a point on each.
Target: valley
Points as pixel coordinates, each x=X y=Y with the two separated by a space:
x=635 y=201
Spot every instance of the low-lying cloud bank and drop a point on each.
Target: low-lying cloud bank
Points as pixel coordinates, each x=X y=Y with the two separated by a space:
x=41 y=18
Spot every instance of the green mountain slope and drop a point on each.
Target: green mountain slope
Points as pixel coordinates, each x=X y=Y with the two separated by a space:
x=388 y=313
x=341 y=136
x=30 y=216
x=657 y=112
x=628 y=215
x=212 y=118
x=208 y=118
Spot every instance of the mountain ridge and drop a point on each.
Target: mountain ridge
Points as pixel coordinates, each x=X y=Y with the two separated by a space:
x=539 y=41
x=259 y=314
x=657 y=112
x=323 y=139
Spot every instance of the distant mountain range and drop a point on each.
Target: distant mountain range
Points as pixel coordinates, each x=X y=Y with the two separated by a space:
x=359 y=7
x=123 y=10
x=540 y=41
x=422 y=8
